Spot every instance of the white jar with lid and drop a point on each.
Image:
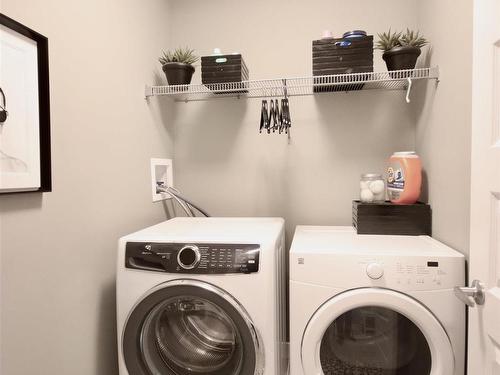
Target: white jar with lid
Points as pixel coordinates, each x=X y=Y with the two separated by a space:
x=372 y=188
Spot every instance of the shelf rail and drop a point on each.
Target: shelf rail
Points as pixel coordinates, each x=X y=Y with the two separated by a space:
x=298 y=86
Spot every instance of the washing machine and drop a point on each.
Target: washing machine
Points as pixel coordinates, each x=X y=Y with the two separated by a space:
x=202 y=296
x=374 y=305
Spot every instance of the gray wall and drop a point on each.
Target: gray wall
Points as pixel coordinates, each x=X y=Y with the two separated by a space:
x=223 y=163
x=59 y=249
x=443 y=118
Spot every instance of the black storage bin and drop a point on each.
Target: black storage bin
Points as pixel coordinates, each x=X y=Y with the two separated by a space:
x=223 y=69
x=388 y=218
x=341 y=56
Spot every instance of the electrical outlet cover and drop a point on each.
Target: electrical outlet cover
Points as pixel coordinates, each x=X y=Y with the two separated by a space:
x=161 y=171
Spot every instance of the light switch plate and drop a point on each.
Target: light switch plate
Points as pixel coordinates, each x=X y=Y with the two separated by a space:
x=161 y=171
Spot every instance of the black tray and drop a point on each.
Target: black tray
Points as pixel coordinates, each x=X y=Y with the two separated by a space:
x=388 y=218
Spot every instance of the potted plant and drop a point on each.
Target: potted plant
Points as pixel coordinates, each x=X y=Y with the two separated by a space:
x=178 y=65
x=401 y=51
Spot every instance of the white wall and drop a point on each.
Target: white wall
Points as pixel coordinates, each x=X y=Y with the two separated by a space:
x=58 y=249
x=443 y=118
x=223 y=163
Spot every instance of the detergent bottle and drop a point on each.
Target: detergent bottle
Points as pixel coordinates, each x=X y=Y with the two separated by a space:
x=404 y=177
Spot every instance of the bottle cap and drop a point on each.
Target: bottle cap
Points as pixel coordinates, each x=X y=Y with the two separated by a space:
x=372 y=175
x=405 y=153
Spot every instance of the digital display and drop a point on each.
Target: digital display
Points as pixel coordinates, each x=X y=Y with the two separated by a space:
x=432 y=264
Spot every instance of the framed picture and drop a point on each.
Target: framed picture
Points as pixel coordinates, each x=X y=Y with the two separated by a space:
x=25 y=164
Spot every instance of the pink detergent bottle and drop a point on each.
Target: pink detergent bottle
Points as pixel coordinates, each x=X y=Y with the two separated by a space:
x=404 y=177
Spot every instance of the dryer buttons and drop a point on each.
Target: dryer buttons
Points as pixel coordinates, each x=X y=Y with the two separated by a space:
x=375 y=271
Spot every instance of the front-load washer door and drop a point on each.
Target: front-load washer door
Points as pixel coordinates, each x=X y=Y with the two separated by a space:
x=373 y=331
x=188 y=327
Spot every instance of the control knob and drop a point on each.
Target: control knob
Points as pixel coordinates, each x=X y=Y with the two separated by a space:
x=375 y=271
x=189 y=257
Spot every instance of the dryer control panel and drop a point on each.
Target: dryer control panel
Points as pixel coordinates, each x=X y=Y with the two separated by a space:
x=193 y=258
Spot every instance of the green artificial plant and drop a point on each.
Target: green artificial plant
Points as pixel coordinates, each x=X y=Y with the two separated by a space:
x=179 y=55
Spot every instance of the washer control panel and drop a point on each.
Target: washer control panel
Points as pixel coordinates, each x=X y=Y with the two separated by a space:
x=194 y=258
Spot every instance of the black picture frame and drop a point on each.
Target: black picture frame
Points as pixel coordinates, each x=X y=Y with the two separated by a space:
x=43 y=99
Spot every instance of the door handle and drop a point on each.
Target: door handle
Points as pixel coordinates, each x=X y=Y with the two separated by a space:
x=471 y=296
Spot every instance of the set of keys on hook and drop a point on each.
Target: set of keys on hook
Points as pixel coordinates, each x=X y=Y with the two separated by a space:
x=274 y=119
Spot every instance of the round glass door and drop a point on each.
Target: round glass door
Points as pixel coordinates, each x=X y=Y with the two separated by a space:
x=190 y=328
x=191 y=335
x=373 y=331
x=374 y=340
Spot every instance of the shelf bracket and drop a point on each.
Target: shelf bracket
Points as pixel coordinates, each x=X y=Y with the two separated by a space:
x=148 y=92
x=408 y=90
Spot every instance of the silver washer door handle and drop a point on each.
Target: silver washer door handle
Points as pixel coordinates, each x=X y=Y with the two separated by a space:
x=471 y=295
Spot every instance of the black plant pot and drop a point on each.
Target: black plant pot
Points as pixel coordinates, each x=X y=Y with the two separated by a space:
x=178 y=73
x=399 y=58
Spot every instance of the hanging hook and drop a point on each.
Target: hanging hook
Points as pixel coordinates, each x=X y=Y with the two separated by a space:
x=408 y=90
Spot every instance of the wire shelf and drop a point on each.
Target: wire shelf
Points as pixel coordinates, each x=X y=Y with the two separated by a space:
x=299 y=86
